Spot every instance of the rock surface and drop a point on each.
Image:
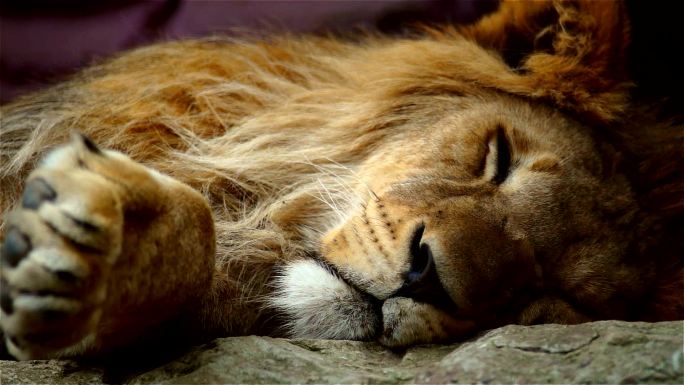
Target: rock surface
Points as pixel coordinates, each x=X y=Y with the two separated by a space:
x=599 y=352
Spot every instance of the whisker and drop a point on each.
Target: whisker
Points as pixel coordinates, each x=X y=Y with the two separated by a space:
x=353 y=173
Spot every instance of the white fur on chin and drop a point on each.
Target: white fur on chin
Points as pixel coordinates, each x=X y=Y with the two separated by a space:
x=318 y=304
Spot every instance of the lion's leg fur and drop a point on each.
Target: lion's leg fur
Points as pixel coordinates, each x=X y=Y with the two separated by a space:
x=228 y=119
x=175 y=109
x=99 y=252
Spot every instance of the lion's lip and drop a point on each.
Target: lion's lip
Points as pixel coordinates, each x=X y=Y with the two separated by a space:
x=428 y=289
x=408 y=322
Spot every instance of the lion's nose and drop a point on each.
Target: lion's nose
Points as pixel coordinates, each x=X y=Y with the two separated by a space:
x=422 y=280
x=422 y=262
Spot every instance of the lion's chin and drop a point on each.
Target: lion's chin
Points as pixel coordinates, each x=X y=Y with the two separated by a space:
x=316 y=303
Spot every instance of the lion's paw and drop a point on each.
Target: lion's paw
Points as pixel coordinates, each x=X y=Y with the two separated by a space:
x=60 y=244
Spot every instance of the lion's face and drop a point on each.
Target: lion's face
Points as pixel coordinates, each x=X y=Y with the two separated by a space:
x=488 y=205
x=501 y=211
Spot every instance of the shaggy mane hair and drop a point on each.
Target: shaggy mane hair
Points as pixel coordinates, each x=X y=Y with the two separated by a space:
x=271 y=132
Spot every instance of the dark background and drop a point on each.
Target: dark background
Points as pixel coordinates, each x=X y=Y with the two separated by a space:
x=42 y=41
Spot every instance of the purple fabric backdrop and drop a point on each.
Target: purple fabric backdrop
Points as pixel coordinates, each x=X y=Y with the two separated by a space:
x=42 y=40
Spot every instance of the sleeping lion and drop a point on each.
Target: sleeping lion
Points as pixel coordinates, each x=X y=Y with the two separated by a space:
x=405 y=190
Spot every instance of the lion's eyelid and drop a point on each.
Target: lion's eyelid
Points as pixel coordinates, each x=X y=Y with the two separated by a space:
x=502 y=157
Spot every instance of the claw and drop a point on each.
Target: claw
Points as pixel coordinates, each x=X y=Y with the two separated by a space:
x=37 y=191
x=87 y=142
x=15 y=247
x=6 y=301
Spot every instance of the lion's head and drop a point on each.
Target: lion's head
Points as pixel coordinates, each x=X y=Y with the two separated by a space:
x=496 y=203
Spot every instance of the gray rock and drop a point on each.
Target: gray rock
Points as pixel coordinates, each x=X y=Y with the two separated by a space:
x=599 y=352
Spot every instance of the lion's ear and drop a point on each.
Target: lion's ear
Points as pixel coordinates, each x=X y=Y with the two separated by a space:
x=572 y=53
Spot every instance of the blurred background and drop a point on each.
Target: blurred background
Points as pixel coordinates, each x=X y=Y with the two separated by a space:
x=41 y=41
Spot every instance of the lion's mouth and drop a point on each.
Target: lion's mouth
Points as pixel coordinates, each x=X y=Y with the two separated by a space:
x=317 y=301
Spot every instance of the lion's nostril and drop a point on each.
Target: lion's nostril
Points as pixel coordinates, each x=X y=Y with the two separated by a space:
x=420 y=257
x=422 y=278
x=422 y=275
x=422 y=281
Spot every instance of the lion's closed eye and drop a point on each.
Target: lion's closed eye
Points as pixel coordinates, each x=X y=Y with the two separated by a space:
x=498 y=157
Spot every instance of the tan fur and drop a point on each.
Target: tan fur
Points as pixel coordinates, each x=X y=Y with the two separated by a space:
x=305 y=147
